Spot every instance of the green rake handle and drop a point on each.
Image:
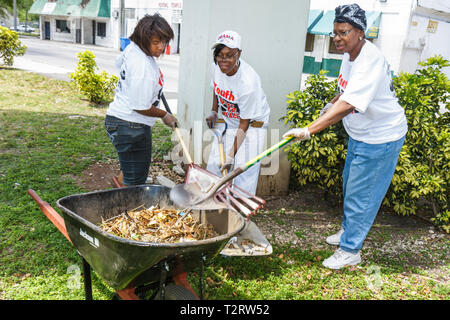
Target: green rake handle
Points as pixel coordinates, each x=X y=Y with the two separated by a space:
x=213 y=189
x=266 y=153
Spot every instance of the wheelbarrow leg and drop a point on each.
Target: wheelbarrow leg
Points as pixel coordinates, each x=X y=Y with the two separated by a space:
x=87 y=280
x=200 y=278
x=162 y=281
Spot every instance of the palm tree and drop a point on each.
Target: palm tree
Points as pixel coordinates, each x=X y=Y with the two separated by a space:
x=5 y=6
x=22 y=7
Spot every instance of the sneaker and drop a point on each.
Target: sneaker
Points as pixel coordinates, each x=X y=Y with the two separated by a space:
x=341 y=258
x=335 y=239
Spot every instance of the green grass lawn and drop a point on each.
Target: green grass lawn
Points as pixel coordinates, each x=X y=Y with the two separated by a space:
x=49 y=133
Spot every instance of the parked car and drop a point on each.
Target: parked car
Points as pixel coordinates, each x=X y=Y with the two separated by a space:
x=23 y=28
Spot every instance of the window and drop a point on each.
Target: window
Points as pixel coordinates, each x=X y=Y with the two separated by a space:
x=61 y=26
x=309 y=45
x=130 y=13
x=101 y=29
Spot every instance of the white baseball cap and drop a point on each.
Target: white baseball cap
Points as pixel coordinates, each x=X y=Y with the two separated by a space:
x=229 y=38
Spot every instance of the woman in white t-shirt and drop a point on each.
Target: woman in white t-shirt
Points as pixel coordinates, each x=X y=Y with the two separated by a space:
x=240 y=101
x=135 y=108
x=376 y=125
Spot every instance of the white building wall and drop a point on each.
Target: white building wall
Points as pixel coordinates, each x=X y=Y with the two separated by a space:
x=106 y=41
x=428 y=35
x=86 y=31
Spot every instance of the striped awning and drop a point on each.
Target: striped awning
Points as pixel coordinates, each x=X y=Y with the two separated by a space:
x=314 y=17
x=325 y=24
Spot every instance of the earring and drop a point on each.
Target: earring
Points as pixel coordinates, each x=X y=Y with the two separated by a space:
x=360 y=38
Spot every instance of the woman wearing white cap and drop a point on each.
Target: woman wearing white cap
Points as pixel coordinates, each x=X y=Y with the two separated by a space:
x=239 y=100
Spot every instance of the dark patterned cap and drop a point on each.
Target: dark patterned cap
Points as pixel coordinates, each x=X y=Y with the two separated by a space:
x=353 y=14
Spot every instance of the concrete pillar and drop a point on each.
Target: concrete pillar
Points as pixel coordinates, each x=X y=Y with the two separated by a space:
x=273 y=39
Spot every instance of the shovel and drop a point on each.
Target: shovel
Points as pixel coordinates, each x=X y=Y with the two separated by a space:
x=196 y=174
x=185 y=150
x=192 y=195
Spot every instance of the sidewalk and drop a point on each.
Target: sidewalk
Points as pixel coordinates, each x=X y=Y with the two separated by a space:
x=47 y=70
x=168 y=64
x=58 y=73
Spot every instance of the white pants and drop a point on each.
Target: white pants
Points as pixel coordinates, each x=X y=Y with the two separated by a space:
x=252 y=145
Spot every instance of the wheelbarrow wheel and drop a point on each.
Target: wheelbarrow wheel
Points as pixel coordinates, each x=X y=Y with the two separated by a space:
x=176 y=292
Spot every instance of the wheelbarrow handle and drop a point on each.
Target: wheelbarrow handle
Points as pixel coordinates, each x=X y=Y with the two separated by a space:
x=51 y=213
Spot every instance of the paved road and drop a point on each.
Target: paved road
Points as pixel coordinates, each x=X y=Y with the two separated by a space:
x=57 y=59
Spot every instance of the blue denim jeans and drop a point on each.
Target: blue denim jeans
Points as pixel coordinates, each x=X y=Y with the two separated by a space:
x=133 y=143
x=368 y=172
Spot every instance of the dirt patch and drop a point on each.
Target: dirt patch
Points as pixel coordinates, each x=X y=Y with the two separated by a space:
x=303 y=220
x=99 y=176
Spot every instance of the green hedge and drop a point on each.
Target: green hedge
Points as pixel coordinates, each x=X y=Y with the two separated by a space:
x=421 y=179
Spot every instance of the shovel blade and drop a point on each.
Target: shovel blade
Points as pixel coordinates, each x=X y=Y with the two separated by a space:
x=189 y=195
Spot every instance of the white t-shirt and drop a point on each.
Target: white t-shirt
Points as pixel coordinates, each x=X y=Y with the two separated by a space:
x=140 y=86
x=240 y=96
x=366 y=83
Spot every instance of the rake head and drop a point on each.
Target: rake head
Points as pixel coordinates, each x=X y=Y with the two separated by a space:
x=230 y=196
x=239 y=200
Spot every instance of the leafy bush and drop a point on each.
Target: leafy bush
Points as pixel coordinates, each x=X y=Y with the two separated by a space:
x=97 y=87
x=10 y=46
x=320 y=160
x=422 y=176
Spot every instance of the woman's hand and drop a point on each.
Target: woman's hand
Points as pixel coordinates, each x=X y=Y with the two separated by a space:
x=299 y=133
x=229 y=161
x=211 y=119
x=169 y=120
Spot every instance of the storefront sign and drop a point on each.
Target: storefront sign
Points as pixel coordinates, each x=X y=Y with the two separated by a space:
x=432 y=26
x=48 y=8
x=373 y=32
x=170 y=4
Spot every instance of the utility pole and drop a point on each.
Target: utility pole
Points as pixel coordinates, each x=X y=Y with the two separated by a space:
x=15 y=15
x=122 y=18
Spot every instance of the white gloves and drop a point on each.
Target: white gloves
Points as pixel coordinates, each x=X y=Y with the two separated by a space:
x=303 y=133
x=325 y=109
x=299 y=133
x=211 y=119
x=169 y=120
x=229 y=161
